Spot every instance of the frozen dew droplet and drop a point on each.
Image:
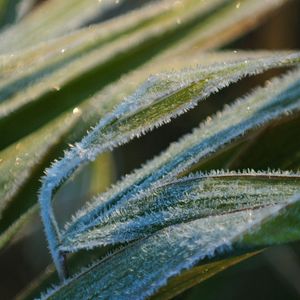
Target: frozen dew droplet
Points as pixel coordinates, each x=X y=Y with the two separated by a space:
x=63 y=50
x=18 y=159
x=56 y=87
x=76 y=111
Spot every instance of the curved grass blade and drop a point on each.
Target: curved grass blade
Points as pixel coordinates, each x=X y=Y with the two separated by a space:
x=260 y=108
x=195 y=197
x=168 y=252
x=93 y=58
x=157 y=101
x=35 y=152
x=75 y=64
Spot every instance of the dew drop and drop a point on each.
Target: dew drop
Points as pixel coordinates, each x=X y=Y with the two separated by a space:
x=238 y=5
x=18 y=159
x=56 y=87
x=76 y=111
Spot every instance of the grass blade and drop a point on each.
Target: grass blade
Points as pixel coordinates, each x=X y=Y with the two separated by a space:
x=168 y=252
x=157 y=101
x=262 y=107
x=195 y=197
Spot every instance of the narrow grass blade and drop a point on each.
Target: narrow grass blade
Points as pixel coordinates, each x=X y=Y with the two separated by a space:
x=154 y=103
x=168 y=252
x=195 y=197
x=75 y=64
x=259 y=108
x=52 y=19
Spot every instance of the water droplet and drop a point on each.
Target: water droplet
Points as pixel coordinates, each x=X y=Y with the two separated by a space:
x=76 y=111
x=238 y=5
x=235 y=52
x=18 y=159
x=63 y=50
x=56 y=87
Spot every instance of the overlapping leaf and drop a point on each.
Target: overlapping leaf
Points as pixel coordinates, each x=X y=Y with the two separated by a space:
x=140 y=269
x=76 y=64
x=25 y=77
x=161 y=100
x=257 y=109
x=34 y=81
x=195 y=197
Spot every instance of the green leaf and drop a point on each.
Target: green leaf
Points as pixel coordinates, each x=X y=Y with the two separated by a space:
x=261 y=107
x=140 y=269
x=195 y=197
x=83 y=62
x=52 y=19
x=22 y=165
x=157 y=101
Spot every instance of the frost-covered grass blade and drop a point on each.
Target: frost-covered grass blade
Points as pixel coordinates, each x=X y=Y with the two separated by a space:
x=163 y=255
x=156 y=102
x=75 y=64
x=195 y=197
x=259 y=108
x=27 y=158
